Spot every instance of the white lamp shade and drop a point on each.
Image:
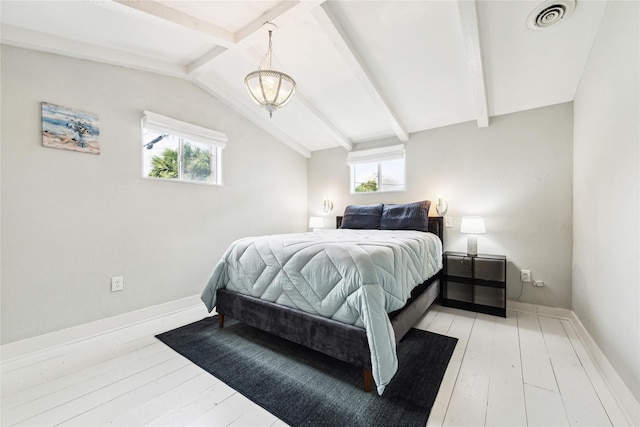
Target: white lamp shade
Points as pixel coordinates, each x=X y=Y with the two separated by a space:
x=270 y=89
x=472 y=225
x=316 y=222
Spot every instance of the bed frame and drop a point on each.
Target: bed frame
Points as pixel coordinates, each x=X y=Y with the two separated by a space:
x=342 y=341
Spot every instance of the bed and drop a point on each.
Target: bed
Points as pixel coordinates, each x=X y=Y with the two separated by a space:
x=351 y=293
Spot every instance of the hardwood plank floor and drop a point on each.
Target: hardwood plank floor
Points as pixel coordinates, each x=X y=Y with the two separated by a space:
x=527 y=369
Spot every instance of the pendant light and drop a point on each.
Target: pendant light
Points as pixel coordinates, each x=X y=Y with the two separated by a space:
x=269 y=88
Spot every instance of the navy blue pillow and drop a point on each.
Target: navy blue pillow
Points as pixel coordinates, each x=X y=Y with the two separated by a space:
x=362 y=216
x=409 y=216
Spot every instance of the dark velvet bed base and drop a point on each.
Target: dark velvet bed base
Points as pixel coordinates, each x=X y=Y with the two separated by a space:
x=344 y=342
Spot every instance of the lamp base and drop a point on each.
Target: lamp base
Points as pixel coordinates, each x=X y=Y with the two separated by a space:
x=472 y=245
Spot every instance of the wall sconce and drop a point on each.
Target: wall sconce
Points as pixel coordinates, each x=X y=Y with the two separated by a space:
x=327 y=205
x=472 y=225
x=316 y=222
x=441 y=207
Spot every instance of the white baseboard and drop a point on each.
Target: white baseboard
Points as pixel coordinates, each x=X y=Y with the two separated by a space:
x=625 y=399
x=561 y=313
x=67 y=336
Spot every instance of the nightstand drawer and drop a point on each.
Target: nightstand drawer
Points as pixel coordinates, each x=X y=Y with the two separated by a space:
x=459 y=291
x=489 y=269
x=493 y=297
x=459 y=266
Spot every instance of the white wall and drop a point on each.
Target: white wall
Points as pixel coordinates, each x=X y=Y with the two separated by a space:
x=71 y=221
x=516 y=173
x=606 y=255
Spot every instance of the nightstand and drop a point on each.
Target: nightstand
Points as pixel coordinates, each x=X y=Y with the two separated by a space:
x=475 y=282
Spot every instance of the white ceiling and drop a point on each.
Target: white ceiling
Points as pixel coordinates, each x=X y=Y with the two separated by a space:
x=364 y=69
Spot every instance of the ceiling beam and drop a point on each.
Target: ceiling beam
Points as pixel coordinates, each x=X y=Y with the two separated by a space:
x=471 y=35
x=219 y=35
x=282 y=13
x=347 y=50
x=336 y=135
x=204 y=63
x=28 y=39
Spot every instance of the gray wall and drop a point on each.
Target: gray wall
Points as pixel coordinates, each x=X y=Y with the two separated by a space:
x=516 y=174
x=71 y=221
x=606 y=254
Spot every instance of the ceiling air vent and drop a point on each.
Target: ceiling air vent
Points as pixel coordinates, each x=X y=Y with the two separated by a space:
x=550 y=13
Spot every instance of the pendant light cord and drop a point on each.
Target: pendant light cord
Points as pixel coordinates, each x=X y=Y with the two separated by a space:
x=270 y=50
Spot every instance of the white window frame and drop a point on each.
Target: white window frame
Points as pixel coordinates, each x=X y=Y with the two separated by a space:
x=186 y=132
x=376 y=155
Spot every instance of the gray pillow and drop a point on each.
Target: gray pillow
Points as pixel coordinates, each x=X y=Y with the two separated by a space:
x=362 y=216
x=409 y=216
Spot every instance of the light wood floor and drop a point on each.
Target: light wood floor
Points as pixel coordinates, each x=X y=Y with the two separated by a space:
x=526 y=369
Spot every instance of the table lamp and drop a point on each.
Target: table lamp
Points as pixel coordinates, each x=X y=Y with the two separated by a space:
x=316 y=222
x=472 y=225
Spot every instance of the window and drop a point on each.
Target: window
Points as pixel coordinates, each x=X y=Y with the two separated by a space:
x=378 y=169
x=178 y=151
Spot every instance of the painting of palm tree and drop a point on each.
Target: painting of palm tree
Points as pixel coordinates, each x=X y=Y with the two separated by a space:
x=70 y=129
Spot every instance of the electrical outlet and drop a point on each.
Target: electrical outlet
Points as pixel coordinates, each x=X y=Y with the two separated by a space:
x=117 y=284
x=538 y=283
x=525 y=275
x=448 y=221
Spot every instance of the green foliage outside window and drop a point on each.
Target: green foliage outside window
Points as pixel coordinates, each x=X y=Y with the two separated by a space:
x=371 y=185
x=165 y=166
x=197 y=164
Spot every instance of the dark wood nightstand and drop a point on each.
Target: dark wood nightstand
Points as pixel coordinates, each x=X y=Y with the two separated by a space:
x=475 y=282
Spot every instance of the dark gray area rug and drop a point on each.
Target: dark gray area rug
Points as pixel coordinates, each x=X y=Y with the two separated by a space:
x=306 y=388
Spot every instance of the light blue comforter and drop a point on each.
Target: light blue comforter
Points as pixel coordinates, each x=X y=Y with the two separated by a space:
x=352 y=276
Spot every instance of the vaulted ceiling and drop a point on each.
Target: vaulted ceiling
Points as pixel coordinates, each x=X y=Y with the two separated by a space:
x=364 y=69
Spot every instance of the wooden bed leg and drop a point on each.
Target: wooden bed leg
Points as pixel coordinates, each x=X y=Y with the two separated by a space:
x=368 y=378
x=221 y=320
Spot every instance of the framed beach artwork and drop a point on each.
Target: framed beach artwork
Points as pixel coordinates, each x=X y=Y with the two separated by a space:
x=70 y=129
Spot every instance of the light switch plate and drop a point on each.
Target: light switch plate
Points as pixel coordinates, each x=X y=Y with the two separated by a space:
x=448 y=221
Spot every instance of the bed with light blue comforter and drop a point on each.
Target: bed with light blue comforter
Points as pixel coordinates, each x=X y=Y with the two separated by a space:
x=352 y=276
